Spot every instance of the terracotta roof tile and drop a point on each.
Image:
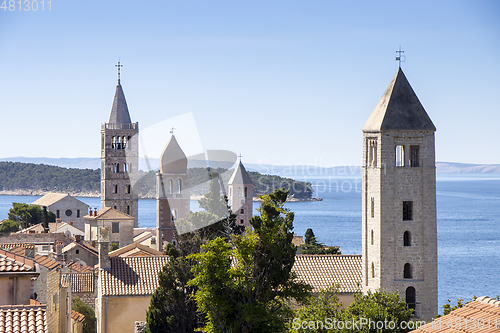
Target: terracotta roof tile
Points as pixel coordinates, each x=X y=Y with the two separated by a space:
x=8 y=246
x=10 y=262
x=77 y=316
x=41 y=260
x=132 y=275
x=135 y=250
x=84 y=246
x=482 y=315
x=74 y=266
x=23 y=318
x=108 y=213
x=80 y=282
x=323 y=271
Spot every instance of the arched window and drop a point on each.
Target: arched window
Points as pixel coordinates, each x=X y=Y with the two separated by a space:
x=170 y=186
x=128 y=210
x=411 y=299
x=178 y=186
x=246 y=191
x=407 y=238
x=125 y=167
x=407 y=271
x=128 y=141
x=124 y=142
x=119 y=142
x=174 y=215
x=113 y=142
x=373 y=270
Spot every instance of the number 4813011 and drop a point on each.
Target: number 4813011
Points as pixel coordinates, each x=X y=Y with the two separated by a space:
x=25 y=5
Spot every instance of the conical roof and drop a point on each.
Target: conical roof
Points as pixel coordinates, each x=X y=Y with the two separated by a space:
x=240 y=176
x=399 y=109
x=173 y=159
x=119 y=111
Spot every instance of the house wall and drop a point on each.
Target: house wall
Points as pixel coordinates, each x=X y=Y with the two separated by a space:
x=53 y=296
x=40 y=285
x=71 y=205
x=23 y=290
x=121 y=313
x=89 y=258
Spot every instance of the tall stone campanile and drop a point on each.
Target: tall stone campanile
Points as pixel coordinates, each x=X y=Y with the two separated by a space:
x=240 y=195
x=399 y=200
x=119 y=158
x=172 y=192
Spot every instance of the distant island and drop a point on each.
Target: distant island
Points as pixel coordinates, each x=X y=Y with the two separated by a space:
x=18 y=178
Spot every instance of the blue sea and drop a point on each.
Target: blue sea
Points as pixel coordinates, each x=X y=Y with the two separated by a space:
x=468 y=226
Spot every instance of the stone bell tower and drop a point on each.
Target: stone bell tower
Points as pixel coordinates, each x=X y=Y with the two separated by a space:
x=240 y=195
x=399 y=200
x=119 y=157
x=172 y=192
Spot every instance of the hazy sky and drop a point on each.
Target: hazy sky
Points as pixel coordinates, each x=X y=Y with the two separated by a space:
x=283 y=82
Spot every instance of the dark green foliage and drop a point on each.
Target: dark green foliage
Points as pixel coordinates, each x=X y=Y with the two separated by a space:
x=27 y=215
x=8 y=226
x=113 y=247
x=90 y=322
x=312 y=246
x=29 y=176
x=254 y=294
x=45 y=219
x=264 y=184
x=213 y=202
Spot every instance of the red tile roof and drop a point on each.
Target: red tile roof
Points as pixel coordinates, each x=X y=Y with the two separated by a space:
x=80 y=282
x=482 y=315
x=41 y=260
x=10 y=262
x=75 y=266
x=76 y=316
x=23 y=318
x=323 y=271
x=132 y=275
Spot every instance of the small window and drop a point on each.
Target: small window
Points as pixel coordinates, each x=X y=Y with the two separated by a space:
x=242 y=211
x=407 y=210
x=411 y=300
x=414 y=162
x=372 y=153
x=153 y=240
x=407 y=238
x=246 y=193
x=179 y=186
x=407 y=273
x=77 y=213
x=372 y=237
x=241 y=221
x=128 y=210
x=77 y=251
x=115 y=227
x=127 y=189
x=115 y=188
x=400 y=156
x=68 y=212
x=58 y=213
x=174 y=215
x=372 y=207
x=373 y=270
x=45 y=248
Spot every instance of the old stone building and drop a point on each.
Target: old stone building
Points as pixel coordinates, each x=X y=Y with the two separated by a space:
x=399 y=200
x=240 y=195
x=172 y=192
x=119 y=158
x=121 y=226
x=66 y=208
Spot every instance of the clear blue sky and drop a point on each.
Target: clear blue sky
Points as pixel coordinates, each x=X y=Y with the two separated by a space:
x=282 y=82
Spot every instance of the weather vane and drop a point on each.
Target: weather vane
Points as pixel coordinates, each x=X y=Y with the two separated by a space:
x=172 y=130
x=400 y=58
x=118 y=65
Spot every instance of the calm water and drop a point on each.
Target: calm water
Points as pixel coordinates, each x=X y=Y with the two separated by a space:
x=468 y=209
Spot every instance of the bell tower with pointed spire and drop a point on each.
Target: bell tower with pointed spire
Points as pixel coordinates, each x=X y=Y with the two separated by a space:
x=399 y=200
x=240 y=195
x=119 y=157
x=172 y=192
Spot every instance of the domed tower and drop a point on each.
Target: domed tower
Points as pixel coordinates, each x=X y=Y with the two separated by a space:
x=399 y=200
x=119 y=158
x=172 y=192
x=240 y=195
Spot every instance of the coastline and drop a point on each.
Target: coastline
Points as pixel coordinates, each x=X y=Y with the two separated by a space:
x=90 y=194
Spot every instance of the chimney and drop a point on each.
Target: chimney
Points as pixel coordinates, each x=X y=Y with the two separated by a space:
x=90 y=211
x=95 y=211
x=103 y=240
x=59 y=250
x=70 y=222
x=78 y=238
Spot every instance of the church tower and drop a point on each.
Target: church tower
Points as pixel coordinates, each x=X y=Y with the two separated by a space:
x=240 y=195
x=172 y=192
x=399 y=200
x=119 y=157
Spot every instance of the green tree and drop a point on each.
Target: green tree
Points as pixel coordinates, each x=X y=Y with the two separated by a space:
x=246 y=283
x=89 y=323
x=213 y=202
x=45 y=219
x=172 y=307
x=113 y=247
x=9 y=226
x=378 y=306
x=27 y=215
x=312 y=246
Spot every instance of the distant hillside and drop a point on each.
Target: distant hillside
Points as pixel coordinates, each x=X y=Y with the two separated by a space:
x=38 y=179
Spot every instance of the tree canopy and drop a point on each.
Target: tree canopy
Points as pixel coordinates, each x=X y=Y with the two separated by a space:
x=90 y=321
x=312 y=246
x=27 y=215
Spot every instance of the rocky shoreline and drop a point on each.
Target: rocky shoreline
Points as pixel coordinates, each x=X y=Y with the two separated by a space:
x=98 y=195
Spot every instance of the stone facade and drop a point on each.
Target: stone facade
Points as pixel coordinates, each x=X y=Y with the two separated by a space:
x=399 y=215
x=66 y=208
x=240 y=195
x=120 y=159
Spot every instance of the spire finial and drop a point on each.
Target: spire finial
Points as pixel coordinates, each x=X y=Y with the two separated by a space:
x=172 y=130
x=240 y=156
x=119 y=66
x=400 y=58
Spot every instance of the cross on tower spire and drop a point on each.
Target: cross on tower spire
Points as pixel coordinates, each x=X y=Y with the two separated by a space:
x=119 y=66
x=400 y=58
x=172 y=130
x=240 y=156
